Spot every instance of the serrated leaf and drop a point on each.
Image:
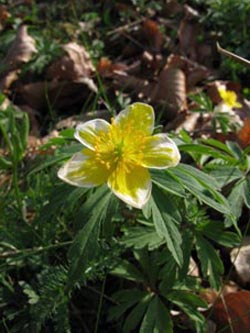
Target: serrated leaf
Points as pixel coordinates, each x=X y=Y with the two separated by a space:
x=128 y=271
x=246 y=192
x=163 y=322
x=215 y=231
x=203 y=150
x=167 y=182
x=126 y=299
x=163 y=214
x=235 y=149
x=148 y=321
x=136 y=314
x=204 y=192
x=140 y=237
x=235 y=200
x=211 y=264
x=224 y=174
x=201 y=176
x=86 y=241
x=157 y=318
x=189 y=303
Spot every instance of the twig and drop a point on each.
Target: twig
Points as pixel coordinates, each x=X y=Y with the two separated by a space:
x=233 y=56
x=37 y=250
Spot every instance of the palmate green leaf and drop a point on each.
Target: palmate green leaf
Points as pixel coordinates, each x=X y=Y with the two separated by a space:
x=140 y=237
x=165 y=215
x=125 y=299
x=86 y=241
x=211 y=264
x=203 y=188
x=148 y=262
x=157 y=318
x=189 y=303
x=135 y=316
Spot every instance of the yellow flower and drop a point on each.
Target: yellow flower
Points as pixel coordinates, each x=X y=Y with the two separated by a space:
x=229 y=98
x=120 y=154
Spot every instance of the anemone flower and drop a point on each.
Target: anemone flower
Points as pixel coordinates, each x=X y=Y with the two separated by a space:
x=119 y=154
x=229 y=100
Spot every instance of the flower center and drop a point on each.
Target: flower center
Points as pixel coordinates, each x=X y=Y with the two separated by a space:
x=119 y=149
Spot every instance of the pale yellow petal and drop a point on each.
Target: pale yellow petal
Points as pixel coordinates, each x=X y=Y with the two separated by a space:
x=132 y=185
x=88 y=132
x=83 y=170
x=160 y=152
x=136 y=118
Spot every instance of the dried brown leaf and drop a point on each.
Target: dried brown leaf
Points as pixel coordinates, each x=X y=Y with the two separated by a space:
x=243 y=135
x=107 y=69
x=21 y=50
x=231 y=312
x=188 y=33
x=58 y=95
x=74 y=66
x=171 y=91
x=152 y=35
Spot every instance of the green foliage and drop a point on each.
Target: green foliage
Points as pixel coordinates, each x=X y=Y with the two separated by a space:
x=91 y=237
x=76 y=259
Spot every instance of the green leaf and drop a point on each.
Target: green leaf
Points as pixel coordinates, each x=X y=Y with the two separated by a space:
x=215 y=231
x=224 y=174
x=217 y=144
x=84 y=245
x=235 y=149
x=235 y=200
x=202 y=150
x=157 y=318
x=163 y=321
x=164 y=218
x=246 y=192
x=128 y=271
x=189 y=304
x=140 y=237
x=211 y=264
x=48 y=163
x=168 y=182
x=126 y=299
x=4 y=163
x=202 y=177
x=148 y=321
x=136 y=315
x=203 y=191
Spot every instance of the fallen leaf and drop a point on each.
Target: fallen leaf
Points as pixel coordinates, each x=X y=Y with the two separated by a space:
x=152 y=35
x=20 y=52
x=231 y=313
x=188 y=33
x=106 y=68
x=74 y=66
x=243 y=135
x=57 y=95
x=171 y=91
